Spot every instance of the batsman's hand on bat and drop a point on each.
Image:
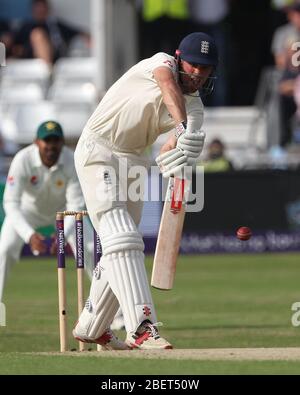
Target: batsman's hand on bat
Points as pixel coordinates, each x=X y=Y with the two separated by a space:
x=171 y=162
x=188 y=147
x=37 y=244
x=191 y=143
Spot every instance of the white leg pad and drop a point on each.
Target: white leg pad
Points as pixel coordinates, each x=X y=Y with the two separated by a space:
x=100 y=308
x=120 y=279
x=127 y=277
x=123 y=265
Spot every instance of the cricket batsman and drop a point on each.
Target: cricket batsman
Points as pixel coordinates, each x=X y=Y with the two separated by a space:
x=153 y=97
x=41 y=181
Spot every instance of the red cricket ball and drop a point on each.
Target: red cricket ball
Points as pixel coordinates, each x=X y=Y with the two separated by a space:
x=243 y=233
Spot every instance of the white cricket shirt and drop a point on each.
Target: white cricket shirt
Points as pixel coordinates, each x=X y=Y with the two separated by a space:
x=132 y=113
x=42 y=191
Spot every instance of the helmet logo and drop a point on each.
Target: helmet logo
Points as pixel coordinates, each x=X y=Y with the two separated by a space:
x=204 y=46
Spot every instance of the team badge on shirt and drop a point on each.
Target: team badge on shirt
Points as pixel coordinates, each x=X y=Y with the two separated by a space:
x=33 y=180
x=169 y=63
x=59 y=183
x=106 y=176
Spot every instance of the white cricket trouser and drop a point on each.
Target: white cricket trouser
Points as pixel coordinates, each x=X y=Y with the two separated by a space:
x=121 y=279
x=11 y=245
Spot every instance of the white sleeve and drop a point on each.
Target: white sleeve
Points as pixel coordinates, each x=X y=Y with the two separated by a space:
x=162 y=60
x=14 y=188
x=195 y=115
x=74 y=201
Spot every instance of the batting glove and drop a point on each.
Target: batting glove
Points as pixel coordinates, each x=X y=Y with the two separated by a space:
x=171 y=162
x=191 y=143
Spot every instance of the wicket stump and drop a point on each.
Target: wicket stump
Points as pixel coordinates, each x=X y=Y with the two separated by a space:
x=61 y=266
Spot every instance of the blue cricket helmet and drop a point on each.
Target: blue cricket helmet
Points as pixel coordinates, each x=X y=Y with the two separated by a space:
x=199 y=48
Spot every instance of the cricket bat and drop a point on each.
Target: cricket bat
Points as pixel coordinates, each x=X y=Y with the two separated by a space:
x=169 y=236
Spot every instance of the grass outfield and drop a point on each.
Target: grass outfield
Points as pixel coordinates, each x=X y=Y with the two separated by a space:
x=218 y=302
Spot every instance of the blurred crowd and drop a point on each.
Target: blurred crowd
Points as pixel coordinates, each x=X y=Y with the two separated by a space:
x=42 y=36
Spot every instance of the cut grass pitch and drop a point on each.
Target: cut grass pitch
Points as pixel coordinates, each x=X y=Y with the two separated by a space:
x=62 y=365
x=217 y=302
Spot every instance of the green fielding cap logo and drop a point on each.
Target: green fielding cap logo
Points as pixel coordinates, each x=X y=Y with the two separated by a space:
x=50 y=125
x=49 y=128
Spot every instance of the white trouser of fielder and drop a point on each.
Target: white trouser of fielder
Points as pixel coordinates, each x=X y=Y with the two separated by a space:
x=120 y=278
x=11 y=244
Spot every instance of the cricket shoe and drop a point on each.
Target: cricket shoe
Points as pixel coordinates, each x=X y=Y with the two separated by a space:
x=108 y=340
x=147 y=338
